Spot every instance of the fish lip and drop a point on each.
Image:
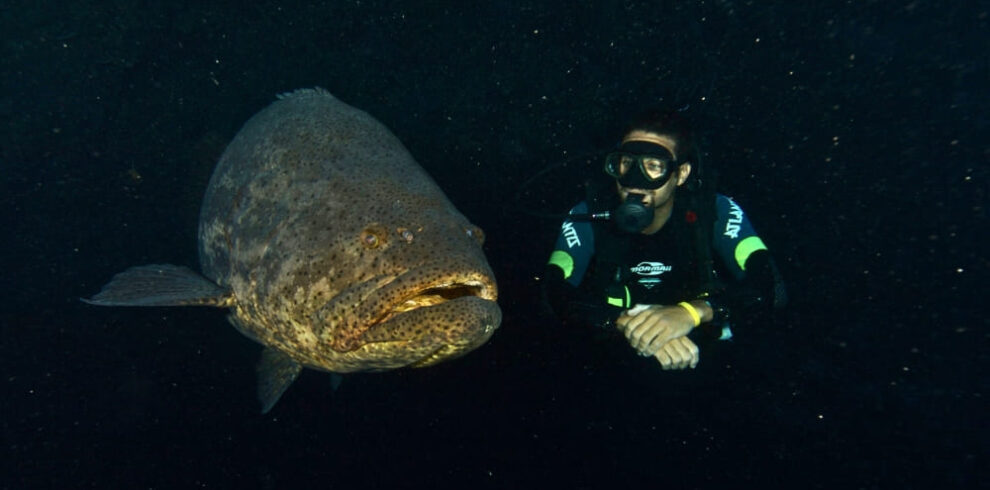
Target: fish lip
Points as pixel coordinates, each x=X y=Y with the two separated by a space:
x=442 y=289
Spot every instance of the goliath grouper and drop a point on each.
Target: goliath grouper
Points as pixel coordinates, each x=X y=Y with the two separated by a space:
x=331 y=247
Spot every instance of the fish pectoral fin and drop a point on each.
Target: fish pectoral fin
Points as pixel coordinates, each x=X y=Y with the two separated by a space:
x=276 y=371
x=335 y=381
x=160 y=285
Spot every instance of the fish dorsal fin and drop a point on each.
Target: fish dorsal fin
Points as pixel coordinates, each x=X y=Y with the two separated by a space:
x=161 y=285
x=276 y=371
x=305 y=92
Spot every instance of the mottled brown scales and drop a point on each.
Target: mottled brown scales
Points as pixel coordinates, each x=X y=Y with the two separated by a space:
x=283 y=223
x=332 y=246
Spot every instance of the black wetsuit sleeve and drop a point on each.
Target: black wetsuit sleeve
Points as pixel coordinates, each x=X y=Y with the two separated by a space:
x=751 y=299
x=575 y=306
x=751 y=296
x=565 y=285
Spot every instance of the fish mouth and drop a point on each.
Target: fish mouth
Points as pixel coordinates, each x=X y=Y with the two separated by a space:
x=441 y=291
x=441 y=319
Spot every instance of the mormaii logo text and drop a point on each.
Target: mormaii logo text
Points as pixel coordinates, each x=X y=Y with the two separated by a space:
x=650 y=268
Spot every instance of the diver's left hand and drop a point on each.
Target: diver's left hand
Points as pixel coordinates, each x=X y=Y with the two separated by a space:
x=647 y=328
x=679 y=353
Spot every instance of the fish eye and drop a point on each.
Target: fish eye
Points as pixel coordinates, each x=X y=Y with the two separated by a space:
x=371 y=239
x=475 y=233
x=405 y=234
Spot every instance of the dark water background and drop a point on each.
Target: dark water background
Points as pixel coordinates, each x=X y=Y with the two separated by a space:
x=854 y=133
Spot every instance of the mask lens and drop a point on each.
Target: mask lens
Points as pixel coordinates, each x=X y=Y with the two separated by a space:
x=616 y=164
x=649 y=168
x=653 y=168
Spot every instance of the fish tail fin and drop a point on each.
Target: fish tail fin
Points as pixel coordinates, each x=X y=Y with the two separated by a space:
x=161 y=285
x=276 y=371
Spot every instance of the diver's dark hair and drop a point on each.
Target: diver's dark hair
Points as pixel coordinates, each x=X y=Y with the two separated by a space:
x=668 y=122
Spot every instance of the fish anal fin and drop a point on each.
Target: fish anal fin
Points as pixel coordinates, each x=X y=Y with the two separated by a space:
x=276 y=371
x=161 y=285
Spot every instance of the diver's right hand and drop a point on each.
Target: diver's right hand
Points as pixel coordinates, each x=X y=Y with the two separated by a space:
x=678 y=353
x=648 y=327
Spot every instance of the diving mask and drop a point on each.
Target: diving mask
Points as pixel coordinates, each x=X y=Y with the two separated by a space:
x=640 y=165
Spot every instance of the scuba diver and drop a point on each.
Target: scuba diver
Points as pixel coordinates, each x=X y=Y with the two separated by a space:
x=639 y=253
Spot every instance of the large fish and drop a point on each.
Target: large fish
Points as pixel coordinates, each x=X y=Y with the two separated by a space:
x=331 y=247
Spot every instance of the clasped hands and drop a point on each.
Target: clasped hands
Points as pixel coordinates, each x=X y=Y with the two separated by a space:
x=660 y=331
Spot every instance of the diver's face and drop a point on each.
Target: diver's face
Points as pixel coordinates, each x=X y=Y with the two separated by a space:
x=661 y=196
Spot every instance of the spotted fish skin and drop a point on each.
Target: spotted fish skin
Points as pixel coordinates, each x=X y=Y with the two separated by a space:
x=332 y=247
x=323 y=226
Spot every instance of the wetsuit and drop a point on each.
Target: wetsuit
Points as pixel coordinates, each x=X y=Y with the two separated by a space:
x=596 y=271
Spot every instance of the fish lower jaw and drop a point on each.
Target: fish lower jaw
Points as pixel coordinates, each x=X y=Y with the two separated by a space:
x=432 y=358
x=428 y=335
x=388 y=355
x=447 y=352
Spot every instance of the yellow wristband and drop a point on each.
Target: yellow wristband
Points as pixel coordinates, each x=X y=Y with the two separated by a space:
x=691 y=311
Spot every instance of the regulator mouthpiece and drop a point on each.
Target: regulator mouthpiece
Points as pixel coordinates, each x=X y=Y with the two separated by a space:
x=633 y=216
